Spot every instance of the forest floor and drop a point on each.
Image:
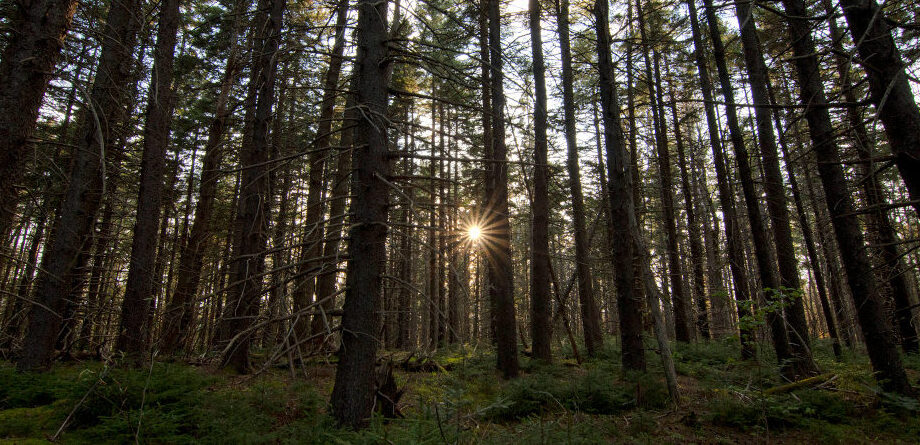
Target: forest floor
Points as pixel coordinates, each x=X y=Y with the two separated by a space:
x=724 y=400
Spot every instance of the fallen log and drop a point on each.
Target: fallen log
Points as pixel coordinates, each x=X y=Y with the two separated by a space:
x=811 y=381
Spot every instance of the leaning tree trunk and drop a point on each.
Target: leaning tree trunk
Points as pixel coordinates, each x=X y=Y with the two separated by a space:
x=134 y=333
x=26 y=67
x=86 y=183
x=179 y=312
x=353 y=393
x=876 y=327
x=893 y=271
x=763 y=251
x=889 y=87
x=726 y=197
x=251 y=224
x=591 y=319
x=758 y=78
x=808 y=236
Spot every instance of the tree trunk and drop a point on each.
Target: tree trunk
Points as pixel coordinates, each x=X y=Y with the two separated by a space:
x=179 y=314
x=333 y=236
x=86 y=185
x=681 y=307
x=893 y=271
x=353 y=393
x=763 y=251
x=726 y=198
x=312 y=250
x=540 y=307
x=889 y=87
x=622 y=212
x=808 y=237
x=876 y=328
x=497 y=223
x=134 y=333
x=758 y=78
x=27 y=65
x=251 y=222
x=693 y=230
x=589 y=311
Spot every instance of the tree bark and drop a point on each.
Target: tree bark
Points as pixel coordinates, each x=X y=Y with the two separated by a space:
x=693 y=230
x=26 y=67
x=883 y=353
x=763 y=251
x=681 y=307
x=777 y=204
x=889 y=87
x=250 y=226
x=894 y=271
x=590 y=313
x=353 y=393
x=312 y=250
x=134 y=333
x=540 y=308
x=108 y=99
x=622 y=212
x=498 y=225
x=726 y=198
x=179 y=313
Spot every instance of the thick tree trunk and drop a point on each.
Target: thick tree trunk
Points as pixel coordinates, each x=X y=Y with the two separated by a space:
x=251 y=222
x=889 y=87
x=86 y=185
x=353 y=393
x=893 y=272
x=726 y=198
x=876 y=328
x=134 y=333
x=27 y=65
x=763 y=250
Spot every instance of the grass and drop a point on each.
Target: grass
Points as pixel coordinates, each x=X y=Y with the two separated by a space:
x=566 y=403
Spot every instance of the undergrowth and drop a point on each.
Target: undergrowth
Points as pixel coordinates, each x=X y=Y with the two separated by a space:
x=724 y=400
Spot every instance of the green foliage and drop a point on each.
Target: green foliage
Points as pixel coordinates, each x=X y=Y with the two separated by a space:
x=594 y=402
x=780 y=411
x=776 y=300
x=594 y=391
